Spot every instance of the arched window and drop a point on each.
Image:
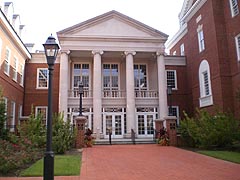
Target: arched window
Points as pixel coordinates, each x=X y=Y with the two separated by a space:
x=206 y=98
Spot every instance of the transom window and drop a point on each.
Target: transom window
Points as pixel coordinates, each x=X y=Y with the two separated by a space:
x=172 y=78
x=7 y=61
x=140 y=77
x=15 y=66
x=81 y=73
x=42 y=78
x=110 y=76
x=237 y=39
x=234 y=7
x=201 y=39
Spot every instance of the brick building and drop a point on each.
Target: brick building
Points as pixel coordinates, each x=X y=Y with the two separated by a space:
x=209 y=37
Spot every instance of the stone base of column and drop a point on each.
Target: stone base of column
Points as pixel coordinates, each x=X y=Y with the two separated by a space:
x=171 y=129
x=80 y=125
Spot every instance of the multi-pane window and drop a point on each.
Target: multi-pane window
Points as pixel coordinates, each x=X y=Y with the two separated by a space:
x=237 y=39
x=42 y=111
x=12 y=116
x=15 y=69
x=6 y=110
x=81 y=73
x=175 y=112
x=42 y=78
x=182 y=51
x=206 y=83
x=234 y=7
x=201 y=39
x=7 y=61
x=110 y=77
x=140 y=77
x=21 y=70
x=171 y=78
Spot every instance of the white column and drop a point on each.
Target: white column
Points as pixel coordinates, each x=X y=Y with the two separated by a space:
x=131 y=123
x=162 y=85
x=97 y=93
x=63 y=85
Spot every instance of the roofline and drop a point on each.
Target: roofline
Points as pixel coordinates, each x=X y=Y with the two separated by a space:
x=15 y=35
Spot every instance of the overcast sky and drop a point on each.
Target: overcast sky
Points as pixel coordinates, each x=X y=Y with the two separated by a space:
x=44 y=17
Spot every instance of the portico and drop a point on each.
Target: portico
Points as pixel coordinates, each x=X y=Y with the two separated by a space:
x=121 y=64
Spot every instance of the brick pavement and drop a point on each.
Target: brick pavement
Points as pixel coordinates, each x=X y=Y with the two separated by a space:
x=149 y=162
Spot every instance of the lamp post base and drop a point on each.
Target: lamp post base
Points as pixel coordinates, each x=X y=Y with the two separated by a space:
x=49 y=165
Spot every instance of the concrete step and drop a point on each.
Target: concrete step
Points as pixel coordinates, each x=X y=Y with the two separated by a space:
x=124 y=141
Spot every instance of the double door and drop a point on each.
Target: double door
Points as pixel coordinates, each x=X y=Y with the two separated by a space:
x=113 y=123
x=145 y=124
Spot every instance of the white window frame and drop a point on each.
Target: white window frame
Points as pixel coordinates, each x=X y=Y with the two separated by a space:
x=15 y=69
x=6 y=110
x=7 y=61
x=205 y=99
x=182 y=50
x=41 y=107
x=237 y=42
x=175 y=78
x=38 y=71
x=89 y=75
x=177 y=112
x=201 y=41
x=111 y=87
x=234 y=7
x=12 y=116
x=139 y=88
x=21 y=73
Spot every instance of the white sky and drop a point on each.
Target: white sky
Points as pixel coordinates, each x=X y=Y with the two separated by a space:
x=44 y=17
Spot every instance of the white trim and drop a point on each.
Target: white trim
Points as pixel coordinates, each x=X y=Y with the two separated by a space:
x=233 y=13
x=177 y=113
x=6 y=111
x=237 y=43
x=8 y=61
x=205 y=99
x=147 y=88
x=41 y=107
x=0 y=51
x=201 y=42
x=21 y=72
x=37 y=85
x=182 y=50
x=13 y=116
x=15 y=69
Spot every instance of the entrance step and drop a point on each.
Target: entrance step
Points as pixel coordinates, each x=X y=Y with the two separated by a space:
x=124 y=141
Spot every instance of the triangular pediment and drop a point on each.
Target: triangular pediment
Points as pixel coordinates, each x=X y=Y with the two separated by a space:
x=112 y=25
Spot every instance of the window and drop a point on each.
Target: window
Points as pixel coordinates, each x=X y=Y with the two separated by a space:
x=175 y=112
x=206 y=98
x=238 y=46
x=182 y=50
x=0 y=51
x=7 y=61
x=81 y=72
x=234 y=7
x=172 y=78
x=201 y=39
x=110 y=76
x=15 y=69
x=6 y=110
x=21 y=70
x=140 y=77
x=42 y=78
x=12 y=116
x=41 y=110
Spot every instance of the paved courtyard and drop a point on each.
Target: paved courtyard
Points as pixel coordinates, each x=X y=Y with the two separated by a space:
x=149 y=162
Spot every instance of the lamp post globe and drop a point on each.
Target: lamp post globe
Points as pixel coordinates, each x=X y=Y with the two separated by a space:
x=51 y=50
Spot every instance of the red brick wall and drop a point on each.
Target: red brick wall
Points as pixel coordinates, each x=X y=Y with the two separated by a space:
x=39 y=97
x=220 y=30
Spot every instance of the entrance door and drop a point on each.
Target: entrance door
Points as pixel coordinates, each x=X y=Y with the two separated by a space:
x=145 y=125
x=113 y=123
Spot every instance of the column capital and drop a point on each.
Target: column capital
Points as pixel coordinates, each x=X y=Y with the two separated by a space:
x=100 y=52
x=130 y=52
x=161 y=51
x=67 y=52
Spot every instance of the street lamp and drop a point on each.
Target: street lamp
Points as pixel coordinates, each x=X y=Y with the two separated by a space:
x=169 y=93
x=80 y=89
x=51 y=49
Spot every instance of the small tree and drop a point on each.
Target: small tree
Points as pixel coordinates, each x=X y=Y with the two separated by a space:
x=3 y=118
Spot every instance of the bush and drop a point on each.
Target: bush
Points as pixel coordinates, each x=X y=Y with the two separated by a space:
x=208 y=131
x=63 y=134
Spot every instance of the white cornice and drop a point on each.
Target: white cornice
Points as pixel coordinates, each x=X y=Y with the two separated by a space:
x=12 y=33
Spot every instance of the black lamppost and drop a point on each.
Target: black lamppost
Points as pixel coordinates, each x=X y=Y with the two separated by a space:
x=169 y=93
x=80 y=89
x=51 y=49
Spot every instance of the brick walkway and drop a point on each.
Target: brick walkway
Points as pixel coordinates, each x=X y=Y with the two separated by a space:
x=149 y=162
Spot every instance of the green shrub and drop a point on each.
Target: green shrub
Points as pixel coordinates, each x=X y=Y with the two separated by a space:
x=63 y=134
x=34 y=130
x=209 y=131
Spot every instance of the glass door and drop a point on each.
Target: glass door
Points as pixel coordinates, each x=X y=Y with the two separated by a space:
x=145 y=125
x=113 y=123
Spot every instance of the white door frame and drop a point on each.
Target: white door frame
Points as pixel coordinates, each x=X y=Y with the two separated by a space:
x=145 y=115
